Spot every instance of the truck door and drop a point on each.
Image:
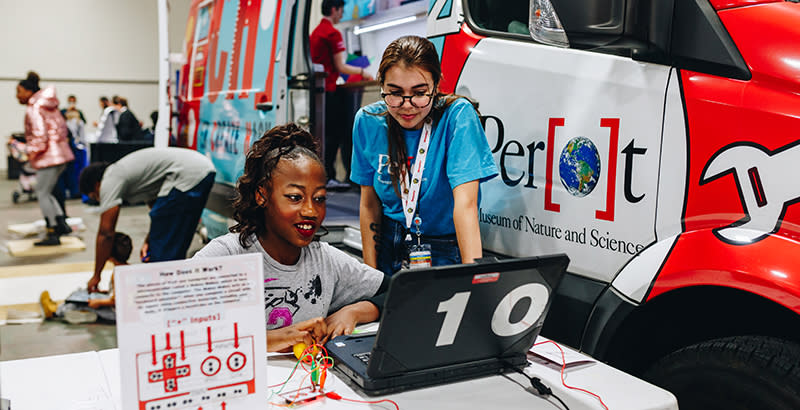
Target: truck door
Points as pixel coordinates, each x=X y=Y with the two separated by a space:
x=575 y=131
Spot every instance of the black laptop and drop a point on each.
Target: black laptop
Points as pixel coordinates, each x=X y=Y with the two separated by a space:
x=450 y=323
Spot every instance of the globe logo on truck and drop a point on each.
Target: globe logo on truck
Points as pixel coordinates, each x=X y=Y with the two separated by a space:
x=579 y=166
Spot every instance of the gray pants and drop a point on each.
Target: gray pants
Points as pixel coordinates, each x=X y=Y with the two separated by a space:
x=46 y=179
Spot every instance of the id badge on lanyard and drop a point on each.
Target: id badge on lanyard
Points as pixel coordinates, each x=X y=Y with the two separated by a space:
x=419 y=254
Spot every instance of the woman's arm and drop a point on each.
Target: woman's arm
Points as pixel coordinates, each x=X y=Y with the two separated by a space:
x=98 y=303
x=370 y=213
x=36 y=132
x=344 y=68
x=465 y=218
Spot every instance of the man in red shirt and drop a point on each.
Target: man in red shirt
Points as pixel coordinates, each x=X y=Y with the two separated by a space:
x=327 y=48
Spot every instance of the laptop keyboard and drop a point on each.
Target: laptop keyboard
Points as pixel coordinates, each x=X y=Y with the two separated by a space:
x=364 y=357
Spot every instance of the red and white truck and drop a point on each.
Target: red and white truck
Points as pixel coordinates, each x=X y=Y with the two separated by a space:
x=653 y=141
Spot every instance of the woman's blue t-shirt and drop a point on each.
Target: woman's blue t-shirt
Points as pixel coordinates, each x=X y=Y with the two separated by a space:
x=458 y=153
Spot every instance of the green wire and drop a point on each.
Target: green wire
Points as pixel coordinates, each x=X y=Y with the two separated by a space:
x=283 y=385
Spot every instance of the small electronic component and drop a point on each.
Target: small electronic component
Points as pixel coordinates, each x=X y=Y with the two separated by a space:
x=303 y=395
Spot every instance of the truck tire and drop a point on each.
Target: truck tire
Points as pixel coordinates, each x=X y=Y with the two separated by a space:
x=740 y=372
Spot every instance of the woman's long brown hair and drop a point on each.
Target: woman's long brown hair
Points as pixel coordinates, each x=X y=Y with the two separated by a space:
x=411 y=51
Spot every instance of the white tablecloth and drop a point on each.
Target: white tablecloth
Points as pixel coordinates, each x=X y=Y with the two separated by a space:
x=91 y=381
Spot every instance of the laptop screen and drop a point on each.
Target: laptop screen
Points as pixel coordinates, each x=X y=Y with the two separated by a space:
x=463 y=313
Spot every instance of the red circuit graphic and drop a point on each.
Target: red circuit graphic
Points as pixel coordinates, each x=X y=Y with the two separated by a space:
x=207 y=373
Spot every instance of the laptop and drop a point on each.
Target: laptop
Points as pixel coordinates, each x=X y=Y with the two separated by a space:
x=450 y=323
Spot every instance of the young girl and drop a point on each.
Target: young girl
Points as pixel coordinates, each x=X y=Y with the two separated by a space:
x=279 y=206
x=419 y=157
x=48 y=151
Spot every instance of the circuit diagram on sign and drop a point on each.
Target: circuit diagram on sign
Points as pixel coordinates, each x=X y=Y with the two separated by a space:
x=194 y=367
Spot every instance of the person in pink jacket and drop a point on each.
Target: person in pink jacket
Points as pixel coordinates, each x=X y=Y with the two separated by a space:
x=48 y=150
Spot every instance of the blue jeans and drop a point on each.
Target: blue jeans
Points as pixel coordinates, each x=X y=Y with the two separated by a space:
x=393 y=248
x=173 y=221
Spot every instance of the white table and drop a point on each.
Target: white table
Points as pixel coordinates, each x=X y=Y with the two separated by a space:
x=91 y=381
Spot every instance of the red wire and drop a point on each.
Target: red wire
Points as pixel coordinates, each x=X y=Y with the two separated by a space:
x=300 y=362
x=373 y=402
x=322 y=365
x=300 y=387
x=287 y=380
x=564 y=366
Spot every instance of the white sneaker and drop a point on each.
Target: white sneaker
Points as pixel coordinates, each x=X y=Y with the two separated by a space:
x=80 y=316
x=17 y=317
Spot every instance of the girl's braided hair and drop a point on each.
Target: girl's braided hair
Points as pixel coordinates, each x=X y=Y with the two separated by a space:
x=287 y=141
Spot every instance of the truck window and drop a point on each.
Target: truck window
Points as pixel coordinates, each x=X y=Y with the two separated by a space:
x=199 y=52
x=203 y=21
x=504 y=16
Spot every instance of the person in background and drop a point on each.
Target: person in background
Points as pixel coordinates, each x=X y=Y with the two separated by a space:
x=176 y=181
x=149 y=133
x=128 y=127
x=327 y=48
x=419 y=156
x=48 y=151
x=72 y=109
x=107 y=124
x=77 y=142
x=104 y=103
x=312 y=290
x=84 y=307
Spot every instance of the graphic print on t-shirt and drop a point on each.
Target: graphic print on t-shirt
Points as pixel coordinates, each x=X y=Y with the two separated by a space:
x=283 y=302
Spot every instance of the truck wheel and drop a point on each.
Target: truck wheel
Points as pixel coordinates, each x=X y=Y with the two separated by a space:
x=740 y=372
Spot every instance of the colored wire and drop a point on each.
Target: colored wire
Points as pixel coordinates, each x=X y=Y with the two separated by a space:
x=307 y=357
x=300 y=387
x=334 y=396
x=396 y=406
x=564 y=366
x=320 y=362
x=287 y=380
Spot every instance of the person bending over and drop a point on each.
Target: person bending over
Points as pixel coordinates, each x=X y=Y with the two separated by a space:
x=176 y=181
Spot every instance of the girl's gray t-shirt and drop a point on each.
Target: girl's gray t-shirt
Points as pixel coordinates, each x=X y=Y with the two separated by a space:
x=322 y=281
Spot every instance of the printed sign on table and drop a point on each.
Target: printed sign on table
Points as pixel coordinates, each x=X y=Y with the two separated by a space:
x=192 y=334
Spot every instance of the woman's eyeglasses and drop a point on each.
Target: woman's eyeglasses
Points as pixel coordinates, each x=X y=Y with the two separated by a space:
x=396 y=100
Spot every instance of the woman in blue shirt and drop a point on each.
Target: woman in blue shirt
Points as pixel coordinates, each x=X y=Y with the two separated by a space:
x=419 y=156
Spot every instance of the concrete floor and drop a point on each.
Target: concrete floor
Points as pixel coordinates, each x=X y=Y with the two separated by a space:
x=22 y=279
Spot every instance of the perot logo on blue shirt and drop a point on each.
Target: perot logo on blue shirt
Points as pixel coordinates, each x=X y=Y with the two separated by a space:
x=384 y=169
